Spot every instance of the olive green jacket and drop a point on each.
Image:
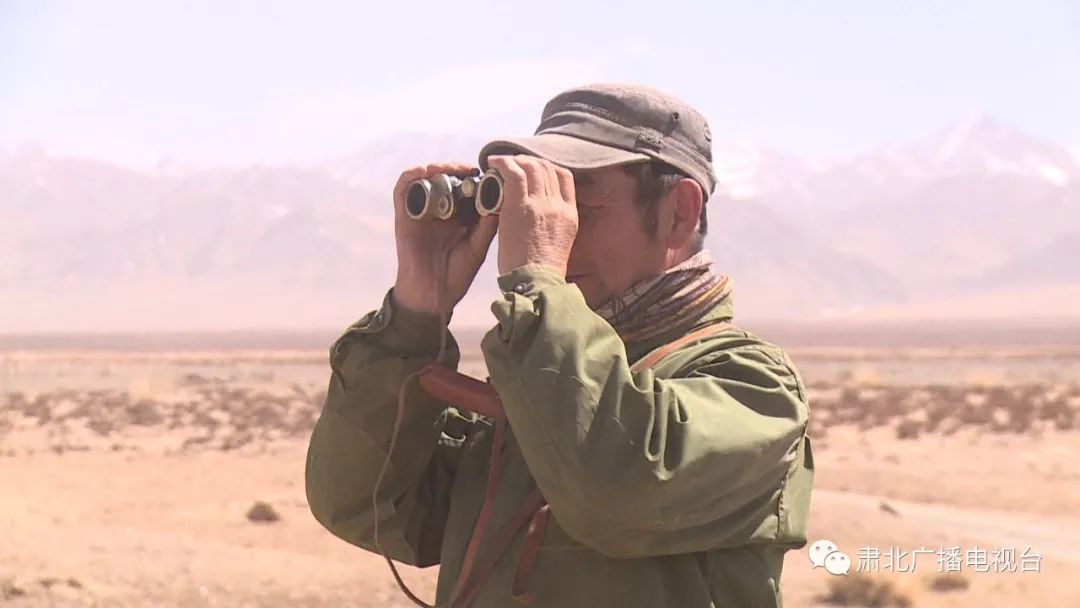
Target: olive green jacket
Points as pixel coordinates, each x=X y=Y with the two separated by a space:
x=680 y=486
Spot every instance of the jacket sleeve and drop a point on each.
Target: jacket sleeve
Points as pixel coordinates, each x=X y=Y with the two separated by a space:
x=633 y=465
x=352 y=435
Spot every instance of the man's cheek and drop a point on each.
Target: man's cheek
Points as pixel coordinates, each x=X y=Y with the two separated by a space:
x=580 y=253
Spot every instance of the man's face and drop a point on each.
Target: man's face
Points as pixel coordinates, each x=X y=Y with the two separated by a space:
x=612 y=250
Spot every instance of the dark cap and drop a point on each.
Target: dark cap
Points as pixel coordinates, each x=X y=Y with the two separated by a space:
x=606 y=125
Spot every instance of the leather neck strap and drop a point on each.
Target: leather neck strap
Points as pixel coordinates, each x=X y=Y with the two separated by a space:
x=657 y=355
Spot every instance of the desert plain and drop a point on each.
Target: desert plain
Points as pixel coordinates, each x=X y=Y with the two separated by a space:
x=169 y=471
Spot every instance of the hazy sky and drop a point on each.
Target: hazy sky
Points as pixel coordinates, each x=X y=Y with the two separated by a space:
x=236 y=82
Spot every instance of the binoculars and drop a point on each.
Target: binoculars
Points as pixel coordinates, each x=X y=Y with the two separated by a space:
x=445 y=196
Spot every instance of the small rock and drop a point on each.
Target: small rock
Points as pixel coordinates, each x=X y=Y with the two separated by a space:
x=886 y=507
x=262 y=512
x=48 y=581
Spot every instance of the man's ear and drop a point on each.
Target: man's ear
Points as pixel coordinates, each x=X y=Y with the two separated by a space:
x=686 y=200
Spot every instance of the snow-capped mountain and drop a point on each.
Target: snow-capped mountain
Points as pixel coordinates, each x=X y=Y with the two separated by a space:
x=980 y=208
x=978 y=146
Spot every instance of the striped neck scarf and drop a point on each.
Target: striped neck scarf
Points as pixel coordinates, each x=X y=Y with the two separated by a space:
x=681 y=295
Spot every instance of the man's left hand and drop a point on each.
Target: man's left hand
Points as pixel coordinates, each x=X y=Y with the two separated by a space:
x=539 y=220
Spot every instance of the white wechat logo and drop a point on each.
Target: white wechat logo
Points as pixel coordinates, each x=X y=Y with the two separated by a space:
x=825 y=554
x=837 y=563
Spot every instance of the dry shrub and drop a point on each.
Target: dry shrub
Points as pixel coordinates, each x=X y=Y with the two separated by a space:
x=972 y=410
x=49 y=582
x=1063 y=416
x=11 y=588
x=863 y=590
x=40 y=409
x=144 y=413
x=912 y=411
x=948 y=426
x=908 y=429
x=937 y=411
x=16 y=402
x=1010 y=409
x=236 y=441
x=214 y=417
x=194 y=379
x=883 y=405
x=949 y=581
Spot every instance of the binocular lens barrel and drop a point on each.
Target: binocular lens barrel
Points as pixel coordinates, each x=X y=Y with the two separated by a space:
x=489 y=194
x=416 y=201
x=444 y=196
x=432 y=199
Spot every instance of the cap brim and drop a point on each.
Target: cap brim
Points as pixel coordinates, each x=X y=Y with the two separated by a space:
x=563 y=150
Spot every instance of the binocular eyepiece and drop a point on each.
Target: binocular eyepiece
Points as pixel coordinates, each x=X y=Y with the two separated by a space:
x=445 y=196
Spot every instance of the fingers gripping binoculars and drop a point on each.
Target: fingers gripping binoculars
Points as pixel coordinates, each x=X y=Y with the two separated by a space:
x=445 y=196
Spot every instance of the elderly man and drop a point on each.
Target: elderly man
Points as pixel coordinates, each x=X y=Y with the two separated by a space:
x=648 y=453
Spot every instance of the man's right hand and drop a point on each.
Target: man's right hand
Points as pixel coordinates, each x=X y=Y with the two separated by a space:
x=426 y=249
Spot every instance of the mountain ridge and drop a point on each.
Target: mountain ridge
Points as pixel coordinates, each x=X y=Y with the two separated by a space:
x=958 y=214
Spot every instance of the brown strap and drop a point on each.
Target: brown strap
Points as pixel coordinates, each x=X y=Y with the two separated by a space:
x=529 y=552
x=525 y=512
x=660 y=353
x=463 y=391
x=485 y=511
